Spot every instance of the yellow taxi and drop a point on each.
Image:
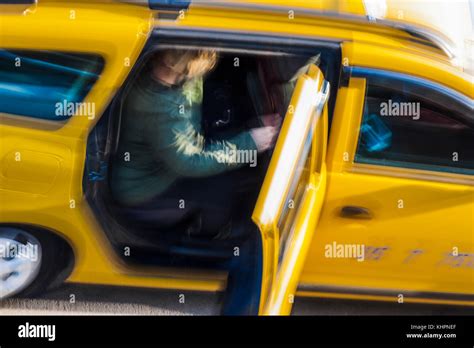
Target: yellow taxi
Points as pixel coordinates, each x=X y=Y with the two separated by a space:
x=369 y=190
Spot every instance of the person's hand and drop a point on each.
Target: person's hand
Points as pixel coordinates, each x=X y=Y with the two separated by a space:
x=270 y=120
x=264 y=137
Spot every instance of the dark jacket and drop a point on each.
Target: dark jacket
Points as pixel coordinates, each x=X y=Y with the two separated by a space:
x=161 y=141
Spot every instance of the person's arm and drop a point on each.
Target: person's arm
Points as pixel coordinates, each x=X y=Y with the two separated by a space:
x=176 y=142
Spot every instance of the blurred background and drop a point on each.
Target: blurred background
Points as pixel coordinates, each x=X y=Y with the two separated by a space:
x=454 y=18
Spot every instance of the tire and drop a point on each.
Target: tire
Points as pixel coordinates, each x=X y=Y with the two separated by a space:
x=36 y=268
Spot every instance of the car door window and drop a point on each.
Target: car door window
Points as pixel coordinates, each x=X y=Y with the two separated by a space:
x=47 y=85
x=412 y=123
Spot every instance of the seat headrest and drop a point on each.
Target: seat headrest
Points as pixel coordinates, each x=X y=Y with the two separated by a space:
x=285 y=69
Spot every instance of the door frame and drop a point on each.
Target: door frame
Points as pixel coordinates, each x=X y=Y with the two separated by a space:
x=345 y=138
x=357 y=77
x=230 y=40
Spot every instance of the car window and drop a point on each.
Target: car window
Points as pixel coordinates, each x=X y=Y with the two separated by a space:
x=412 y=124
x=47 y=85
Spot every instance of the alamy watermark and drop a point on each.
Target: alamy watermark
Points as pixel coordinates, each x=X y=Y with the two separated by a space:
x=28 y=330
x=404 y=109
x=68 y=108
x=16 y=250
x=345 y=251
x=234 y=156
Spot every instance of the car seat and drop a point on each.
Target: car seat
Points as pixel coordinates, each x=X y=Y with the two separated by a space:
x=153 y=230
x=271 y=87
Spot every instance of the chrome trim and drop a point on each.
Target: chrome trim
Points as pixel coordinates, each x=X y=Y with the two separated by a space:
x=364 y=72
x=135 y=2
x=324 y=95
x=437 y=38
x=231 y=35
x=169 y=5
x=411 y=173
x=366 y=291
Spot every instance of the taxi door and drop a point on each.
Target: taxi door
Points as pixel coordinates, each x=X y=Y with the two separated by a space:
x=400 y=193
x=289 y=204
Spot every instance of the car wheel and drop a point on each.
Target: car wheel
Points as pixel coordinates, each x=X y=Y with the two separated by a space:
x=27 y=261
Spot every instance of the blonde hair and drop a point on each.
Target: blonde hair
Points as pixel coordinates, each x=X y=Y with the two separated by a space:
x=193 y=63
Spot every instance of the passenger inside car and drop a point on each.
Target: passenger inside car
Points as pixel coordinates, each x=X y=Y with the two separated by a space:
x=164 y=156
x=195 y=137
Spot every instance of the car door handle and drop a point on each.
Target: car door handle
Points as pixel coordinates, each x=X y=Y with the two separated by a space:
x=355 y=212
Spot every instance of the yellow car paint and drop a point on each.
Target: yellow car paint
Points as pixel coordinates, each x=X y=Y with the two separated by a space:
x=45 y=187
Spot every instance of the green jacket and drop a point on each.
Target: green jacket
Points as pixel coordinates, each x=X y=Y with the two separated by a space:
x=161 y=141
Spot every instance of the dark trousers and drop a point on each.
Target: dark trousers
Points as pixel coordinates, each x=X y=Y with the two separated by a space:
x=219 y=200
x=242 y=296
x=215 y=199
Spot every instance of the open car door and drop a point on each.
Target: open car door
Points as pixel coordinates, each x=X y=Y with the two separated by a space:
x=291 y=198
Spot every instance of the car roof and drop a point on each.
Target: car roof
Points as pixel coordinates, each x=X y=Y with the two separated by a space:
x=383 y=13
x=366 y=14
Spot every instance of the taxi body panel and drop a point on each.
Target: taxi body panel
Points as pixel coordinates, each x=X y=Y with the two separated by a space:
x=118 y=37
x=52 y=196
